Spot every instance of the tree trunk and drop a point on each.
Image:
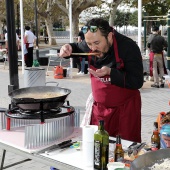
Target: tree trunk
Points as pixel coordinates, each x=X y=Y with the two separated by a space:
x=75 y=26
x=113 y=8
x=112 y=15
x=49 y=25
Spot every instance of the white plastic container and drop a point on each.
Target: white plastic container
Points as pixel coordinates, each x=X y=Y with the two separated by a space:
x=114 y=165
x=69 y=72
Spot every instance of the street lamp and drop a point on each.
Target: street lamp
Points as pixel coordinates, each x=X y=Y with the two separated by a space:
x=124 y=22
x=36 y=29
x=12 y=51
x=144 y=32
x=139 y=23
x=18 y=32
x=71 y=34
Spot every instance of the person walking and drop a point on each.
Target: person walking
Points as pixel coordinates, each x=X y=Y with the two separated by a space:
x=29 y=39
x=45 y=35
x=116 y=73
x=82 y=58
x=156 y=44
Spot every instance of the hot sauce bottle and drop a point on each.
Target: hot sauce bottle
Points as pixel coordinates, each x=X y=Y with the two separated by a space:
x=155 y=138
x=118 y=152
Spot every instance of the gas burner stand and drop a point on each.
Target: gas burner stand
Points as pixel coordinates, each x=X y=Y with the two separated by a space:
x=42 y=127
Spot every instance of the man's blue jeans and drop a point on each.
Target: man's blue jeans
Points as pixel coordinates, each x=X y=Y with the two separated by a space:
x=82 y=65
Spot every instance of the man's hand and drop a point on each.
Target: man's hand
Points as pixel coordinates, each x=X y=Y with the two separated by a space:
x=100 y=72
x=65 y=50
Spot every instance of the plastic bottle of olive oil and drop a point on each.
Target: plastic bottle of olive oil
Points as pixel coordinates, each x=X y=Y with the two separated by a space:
x=101 y=147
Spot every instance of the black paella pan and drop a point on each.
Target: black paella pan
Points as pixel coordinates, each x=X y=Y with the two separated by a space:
x=39 y=97
x=145 y=161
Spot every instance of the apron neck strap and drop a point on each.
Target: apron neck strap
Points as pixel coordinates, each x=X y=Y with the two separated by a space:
x=119 y=61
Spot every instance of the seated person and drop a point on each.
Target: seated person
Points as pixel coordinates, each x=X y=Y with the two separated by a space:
x=163 y=120
x=165 y=136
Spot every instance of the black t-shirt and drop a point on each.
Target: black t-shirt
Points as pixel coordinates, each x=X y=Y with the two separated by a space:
x=81 y=34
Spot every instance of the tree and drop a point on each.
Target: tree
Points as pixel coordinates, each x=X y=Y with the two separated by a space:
x=125 y=19
x=113 y=7
x=118 y=19
x=3 y=16
x=47 y=9
x=133 y=19
x=152 y=8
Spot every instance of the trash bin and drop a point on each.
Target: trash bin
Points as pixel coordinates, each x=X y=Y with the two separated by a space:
x=34 y=76
x=64 y=72
x=43 y=61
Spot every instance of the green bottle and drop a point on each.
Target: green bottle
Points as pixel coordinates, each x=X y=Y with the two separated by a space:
x=101 y=147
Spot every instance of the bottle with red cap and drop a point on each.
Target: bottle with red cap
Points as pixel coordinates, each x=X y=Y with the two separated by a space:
x=155 y=138
x=118 y=152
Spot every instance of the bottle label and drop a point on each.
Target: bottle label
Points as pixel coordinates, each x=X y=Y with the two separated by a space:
x=101 y=152
x=97 y=153
x=154 y=146
x=118 y=158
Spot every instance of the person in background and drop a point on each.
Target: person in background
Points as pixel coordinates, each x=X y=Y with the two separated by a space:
x=165 y=136
x=82 y=58
x=17 y=41
x=156 y=44
x=76 y=63
x=29 y=39
x=116 y=73
x=163 y=120
x=45 y=35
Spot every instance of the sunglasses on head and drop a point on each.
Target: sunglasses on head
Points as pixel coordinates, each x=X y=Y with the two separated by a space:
x=91 y=28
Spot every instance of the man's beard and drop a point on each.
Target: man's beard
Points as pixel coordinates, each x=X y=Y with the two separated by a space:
x=105 y=51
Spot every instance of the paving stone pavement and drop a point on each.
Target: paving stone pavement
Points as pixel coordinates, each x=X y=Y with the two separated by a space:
x=153 y=101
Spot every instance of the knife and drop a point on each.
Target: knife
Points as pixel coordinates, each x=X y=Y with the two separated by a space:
x=130 y=148
x=112 y=141
x=62 y=148
x=48 y=149
x=58 y=147
x=68 y=146
x=138 y=148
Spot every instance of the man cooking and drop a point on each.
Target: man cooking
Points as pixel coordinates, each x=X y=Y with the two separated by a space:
x=116 y=73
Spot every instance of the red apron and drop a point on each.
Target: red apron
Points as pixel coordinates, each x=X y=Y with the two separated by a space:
x=151 y=56
x=120 y=108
